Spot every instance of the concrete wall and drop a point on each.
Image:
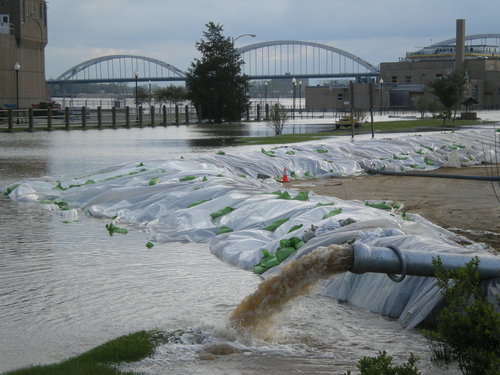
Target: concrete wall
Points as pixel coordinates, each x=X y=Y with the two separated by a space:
x=338 y=97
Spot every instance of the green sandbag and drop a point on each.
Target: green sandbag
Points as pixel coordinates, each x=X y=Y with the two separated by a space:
x=268 y=153
x=295 y=227
x=284 y=195
x=187 y=178
x=275 y=225
x=221 y=212
x=153 y=181
x=10 y=189
x=298 y=244
x=259 y=270
x=270 y=262
x=224 y=229
x=332 y=213
x=112 y=229
x=381 y=206
x=428 y=161
x=284 y=252
x=294 y=242
x=196 y=203
x=302 y=196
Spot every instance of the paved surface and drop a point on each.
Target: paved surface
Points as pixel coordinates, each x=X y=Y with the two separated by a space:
x=468 y=207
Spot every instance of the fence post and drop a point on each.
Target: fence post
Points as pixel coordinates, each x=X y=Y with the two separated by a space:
x=84 y=117
x=30 y=119
x=99 y=117
x=186 y=111
x=258 y=112
x=267 y=111
x=127 y=116
x=164 y=112
x=66 y=118
x=11 y=122
x=152 y=114
x=113 y=117
x=177 y=114
x=248 y=113
x=140 y=116
x=49 y=119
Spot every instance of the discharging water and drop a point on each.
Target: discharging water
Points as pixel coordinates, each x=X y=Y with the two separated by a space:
x=256 y=312
x=66 y=288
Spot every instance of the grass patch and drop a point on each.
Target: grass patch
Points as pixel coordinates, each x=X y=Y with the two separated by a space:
x=103 y=359
x=381 y=127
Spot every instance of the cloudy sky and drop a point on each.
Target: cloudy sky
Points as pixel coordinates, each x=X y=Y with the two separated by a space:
x=375 y=30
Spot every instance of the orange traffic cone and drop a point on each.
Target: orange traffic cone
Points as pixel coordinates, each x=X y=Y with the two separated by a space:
x=285 y=177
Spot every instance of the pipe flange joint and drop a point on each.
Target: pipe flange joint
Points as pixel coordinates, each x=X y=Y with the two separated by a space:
x=402 y=260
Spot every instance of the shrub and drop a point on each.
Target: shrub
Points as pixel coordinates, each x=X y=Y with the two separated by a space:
x=382 y=365
x=468 y=325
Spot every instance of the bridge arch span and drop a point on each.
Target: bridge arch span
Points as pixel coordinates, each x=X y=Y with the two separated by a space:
x=121 y=67
x=469 y=38
x=301 y=58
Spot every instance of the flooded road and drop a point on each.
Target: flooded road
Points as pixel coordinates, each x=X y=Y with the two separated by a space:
x=68 y=287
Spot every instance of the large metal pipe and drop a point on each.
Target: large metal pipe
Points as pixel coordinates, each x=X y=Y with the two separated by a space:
x=392 y=261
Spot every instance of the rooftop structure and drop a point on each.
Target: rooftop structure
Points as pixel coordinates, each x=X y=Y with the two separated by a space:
x=448 y=52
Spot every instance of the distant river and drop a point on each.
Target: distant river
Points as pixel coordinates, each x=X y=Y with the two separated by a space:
x=65 y=288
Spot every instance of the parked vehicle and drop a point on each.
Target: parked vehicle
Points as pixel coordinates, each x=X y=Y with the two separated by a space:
x=347 y=121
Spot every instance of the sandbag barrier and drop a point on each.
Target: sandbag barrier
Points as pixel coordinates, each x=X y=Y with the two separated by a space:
x=234 y=202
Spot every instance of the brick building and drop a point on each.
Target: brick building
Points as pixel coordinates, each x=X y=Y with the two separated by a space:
x=23 y=37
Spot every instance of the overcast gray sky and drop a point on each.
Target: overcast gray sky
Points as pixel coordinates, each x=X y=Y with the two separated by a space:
x=375 y=30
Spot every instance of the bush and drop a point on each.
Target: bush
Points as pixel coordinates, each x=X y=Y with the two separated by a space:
x=382 y=365
x=468 y=326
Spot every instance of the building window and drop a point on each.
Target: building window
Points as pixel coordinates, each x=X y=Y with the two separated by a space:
x=408 y=79
x=340 y=97
x=474 y=91
x=394 y=79
x=498 y=91
x=439 y=75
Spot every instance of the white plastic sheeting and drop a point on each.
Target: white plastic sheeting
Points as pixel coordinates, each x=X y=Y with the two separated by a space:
x=180 y=200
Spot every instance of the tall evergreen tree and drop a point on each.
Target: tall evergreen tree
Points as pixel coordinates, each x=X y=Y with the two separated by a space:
x=215 y=82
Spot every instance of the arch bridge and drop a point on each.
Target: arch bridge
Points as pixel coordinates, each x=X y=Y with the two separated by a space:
x=267 y=60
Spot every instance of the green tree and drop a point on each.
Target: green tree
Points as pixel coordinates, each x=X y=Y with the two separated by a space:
x=278 y=117
x=170 y=94
x=450 y=90
x=468 y=325
x=215 y=82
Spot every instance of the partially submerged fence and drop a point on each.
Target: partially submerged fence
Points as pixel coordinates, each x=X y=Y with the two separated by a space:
x=115 y=117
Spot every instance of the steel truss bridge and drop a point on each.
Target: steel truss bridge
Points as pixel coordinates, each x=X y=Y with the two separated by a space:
x=282 y=59
x=269 y=60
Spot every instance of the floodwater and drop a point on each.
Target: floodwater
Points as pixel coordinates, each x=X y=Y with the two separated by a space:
x=65 y=288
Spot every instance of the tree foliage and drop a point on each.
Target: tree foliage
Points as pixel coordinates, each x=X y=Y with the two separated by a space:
x=449 y=89
x=468 y=324
x=215 y=82
x=278 y=118
x=382 y=365
x=170 y=94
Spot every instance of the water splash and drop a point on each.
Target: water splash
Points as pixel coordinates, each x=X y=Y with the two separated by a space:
x=255 y=313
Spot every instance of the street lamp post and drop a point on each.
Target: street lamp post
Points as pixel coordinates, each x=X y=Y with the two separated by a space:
x=381 y=81
x=136 y=76
x=242 y=35
x=300 y=96
x=265 y=100
x=17 y=67
x=294 y=87
x=150 y=96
